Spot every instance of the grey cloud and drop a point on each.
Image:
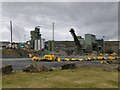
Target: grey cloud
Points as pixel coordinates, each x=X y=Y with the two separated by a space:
x=96 y=18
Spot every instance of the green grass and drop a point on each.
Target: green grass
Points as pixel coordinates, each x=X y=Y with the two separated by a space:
x=87 y=77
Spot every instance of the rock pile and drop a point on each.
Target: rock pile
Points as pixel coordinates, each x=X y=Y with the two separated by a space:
x=7 y=69
x=69 y=66
x=36 y=68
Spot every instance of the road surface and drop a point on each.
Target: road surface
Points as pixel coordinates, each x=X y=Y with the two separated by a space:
x=21 y=63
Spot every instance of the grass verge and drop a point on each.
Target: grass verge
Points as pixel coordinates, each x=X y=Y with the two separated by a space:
x=83 y=77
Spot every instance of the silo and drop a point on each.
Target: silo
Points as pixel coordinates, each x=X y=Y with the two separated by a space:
x=39 y=44
x=36 y=44
x=42 y=43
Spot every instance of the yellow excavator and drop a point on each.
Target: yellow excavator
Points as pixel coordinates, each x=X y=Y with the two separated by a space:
x=47 y=57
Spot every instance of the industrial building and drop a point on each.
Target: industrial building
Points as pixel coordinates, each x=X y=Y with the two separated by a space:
x=69 y=46
x=36 y=42
x=112 y=46
x=88 y=44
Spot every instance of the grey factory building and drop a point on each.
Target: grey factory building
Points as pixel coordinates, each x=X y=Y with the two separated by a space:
x=89 y=44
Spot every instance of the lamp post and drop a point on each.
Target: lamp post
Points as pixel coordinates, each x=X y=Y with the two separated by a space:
x=11 y=32
x=104 y=45
x=53 y=39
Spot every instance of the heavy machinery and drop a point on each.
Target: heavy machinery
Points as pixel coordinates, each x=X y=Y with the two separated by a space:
x=48 y=57
x=73 y=59
x=79 y=48
x=76 y=59
x=36 y=58
x=91 y=57
x=101 y=57
x=66 y=59
x=113 y=56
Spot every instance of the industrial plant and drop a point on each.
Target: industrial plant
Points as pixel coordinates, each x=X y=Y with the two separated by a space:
x=38 y=55
x=79 y=45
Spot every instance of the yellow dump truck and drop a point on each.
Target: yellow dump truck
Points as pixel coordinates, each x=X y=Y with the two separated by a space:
x=48 y=57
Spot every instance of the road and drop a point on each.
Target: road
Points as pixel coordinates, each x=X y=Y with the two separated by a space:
x=21 y=63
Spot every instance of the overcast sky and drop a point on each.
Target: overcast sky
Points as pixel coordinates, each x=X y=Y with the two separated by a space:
x=99 y=18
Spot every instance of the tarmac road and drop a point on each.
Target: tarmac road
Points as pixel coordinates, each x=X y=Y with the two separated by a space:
x=21 y=63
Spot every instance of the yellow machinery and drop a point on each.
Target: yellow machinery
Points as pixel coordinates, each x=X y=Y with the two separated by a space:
x=36 y=58
x=66 y=59
x=91 y=57
x=73 y=59
x=100 y=57
x=80 y=59
x=49 y=57
x=112 y=56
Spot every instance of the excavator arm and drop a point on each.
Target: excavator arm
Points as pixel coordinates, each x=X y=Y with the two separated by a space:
x=79 y=50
